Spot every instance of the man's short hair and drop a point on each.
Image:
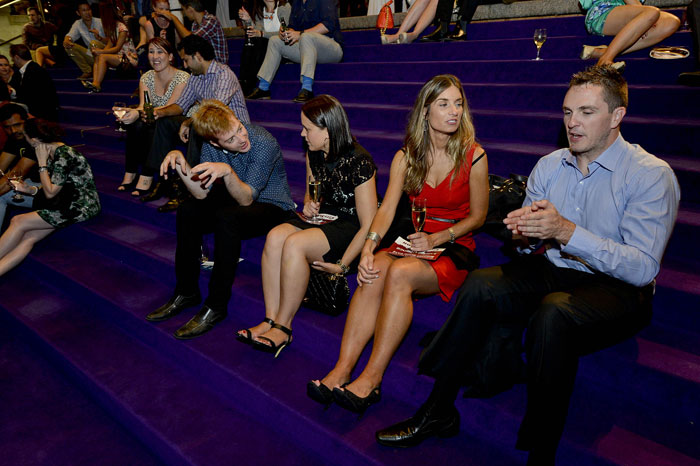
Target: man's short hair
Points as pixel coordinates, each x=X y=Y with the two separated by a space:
x=32 y=8
x=7 y=110
x=614 y=85
x=82 y=2
x=194 y=43
x=211 y=119
x=21 y=51
x=197 y=5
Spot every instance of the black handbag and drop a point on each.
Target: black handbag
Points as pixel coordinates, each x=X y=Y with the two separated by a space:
x=505 y=195
x=327 y=293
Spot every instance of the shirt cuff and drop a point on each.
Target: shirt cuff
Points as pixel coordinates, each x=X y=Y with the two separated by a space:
x=254 y=193
x=581 y=243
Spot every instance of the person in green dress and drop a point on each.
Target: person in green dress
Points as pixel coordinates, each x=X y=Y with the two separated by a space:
x=67 y=194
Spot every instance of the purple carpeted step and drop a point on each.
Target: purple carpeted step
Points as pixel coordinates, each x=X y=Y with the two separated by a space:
x=182 y=421
x=605 y=359
x=47 y=419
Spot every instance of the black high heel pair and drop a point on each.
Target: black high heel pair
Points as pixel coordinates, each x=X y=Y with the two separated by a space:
x=344 y=398
x=247 y=337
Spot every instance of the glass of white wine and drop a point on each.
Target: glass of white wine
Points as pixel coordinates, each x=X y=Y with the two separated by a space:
x=418 y=212
x=16 y=177
x=539 y=37
x=120 y=110
x=314 y=193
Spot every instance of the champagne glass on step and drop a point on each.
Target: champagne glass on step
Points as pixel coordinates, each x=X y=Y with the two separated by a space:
x=539 y=37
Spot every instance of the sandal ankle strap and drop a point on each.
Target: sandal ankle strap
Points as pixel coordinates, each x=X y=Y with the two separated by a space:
x=267 y=320
x=283 y=328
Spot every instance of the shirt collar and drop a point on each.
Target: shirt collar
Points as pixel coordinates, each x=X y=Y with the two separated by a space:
x=608 y=159
x=24 y=67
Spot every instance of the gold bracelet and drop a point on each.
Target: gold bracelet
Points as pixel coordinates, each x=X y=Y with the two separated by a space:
x=374 y=236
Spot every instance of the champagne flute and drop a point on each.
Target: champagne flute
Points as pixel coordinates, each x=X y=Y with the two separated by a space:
x=539 y=37
x=248 y=40
x=418 y=213
x=314 y=193
x=17 y=178
x=120 y=110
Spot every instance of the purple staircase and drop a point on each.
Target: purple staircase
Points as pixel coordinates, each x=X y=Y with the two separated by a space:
x=86 y=380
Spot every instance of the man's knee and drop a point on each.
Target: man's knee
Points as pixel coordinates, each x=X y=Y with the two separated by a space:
x=480 y=282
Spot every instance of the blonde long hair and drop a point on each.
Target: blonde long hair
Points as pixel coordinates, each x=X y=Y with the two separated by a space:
x=417 y=142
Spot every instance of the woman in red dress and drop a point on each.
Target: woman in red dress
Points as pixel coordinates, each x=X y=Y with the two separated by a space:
x=441 y=162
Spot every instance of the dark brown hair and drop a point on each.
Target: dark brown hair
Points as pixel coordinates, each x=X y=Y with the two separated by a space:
x=325 y=112
x=614 y=85
x=43 y=130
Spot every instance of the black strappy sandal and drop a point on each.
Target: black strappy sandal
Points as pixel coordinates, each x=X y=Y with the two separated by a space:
x=272 y=347
x=247 y=336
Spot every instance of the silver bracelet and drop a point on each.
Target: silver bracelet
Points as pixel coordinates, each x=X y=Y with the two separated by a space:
x=452 y=234
x=37 y=190
x=345 y=269
x=374 y=236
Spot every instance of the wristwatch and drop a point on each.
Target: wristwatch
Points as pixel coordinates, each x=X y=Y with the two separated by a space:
x=452 y=234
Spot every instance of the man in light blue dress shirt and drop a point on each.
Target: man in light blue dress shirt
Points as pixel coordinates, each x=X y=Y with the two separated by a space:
x=602 y=212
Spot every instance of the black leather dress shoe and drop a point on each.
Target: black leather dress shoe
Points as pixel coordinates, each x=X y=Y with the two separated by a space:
x=176 y=305
x=171 y=205
x=303 y=96
x=424 y=424
x=200 y=324
x=458 y=34
x=440 y=34
x=156 y=193
x=258 y=94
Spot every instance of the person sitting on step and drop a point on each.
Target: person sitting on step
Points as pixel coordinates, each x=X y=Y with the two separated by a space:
x=602 y=210
x=119 y=50
x=164 y=84
x=313 y=36
x=348 y=190
x=442 y=164
x=210 y=80
x=239 y=191
x=467 y=8
x=420 y=15
x=90 y=31
x=204 y=24
x=635 y=26
x=265 y=17
x=68 y=193
x=16 y=158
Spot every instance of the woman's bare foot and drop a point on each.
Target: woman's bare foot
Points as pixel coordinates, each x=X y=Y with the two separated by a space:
x=256 y=331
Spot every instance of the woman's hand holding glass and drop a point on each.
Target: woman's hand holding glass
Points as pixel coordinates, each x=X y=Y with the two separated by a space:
x=421 y=241
x=22 y=187
x=129 y=117
x=311 y=209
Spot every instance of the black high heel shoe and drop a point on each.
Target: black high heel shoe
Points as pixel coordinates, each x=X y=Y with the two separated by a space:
x=127 y=186
x=273 y=347
x=247 y=336
x=319 y=393
x=348 y=400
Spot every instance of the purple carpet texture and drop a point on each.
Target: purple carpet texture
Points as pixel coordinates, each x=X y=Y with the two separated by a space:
x=86 y=380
